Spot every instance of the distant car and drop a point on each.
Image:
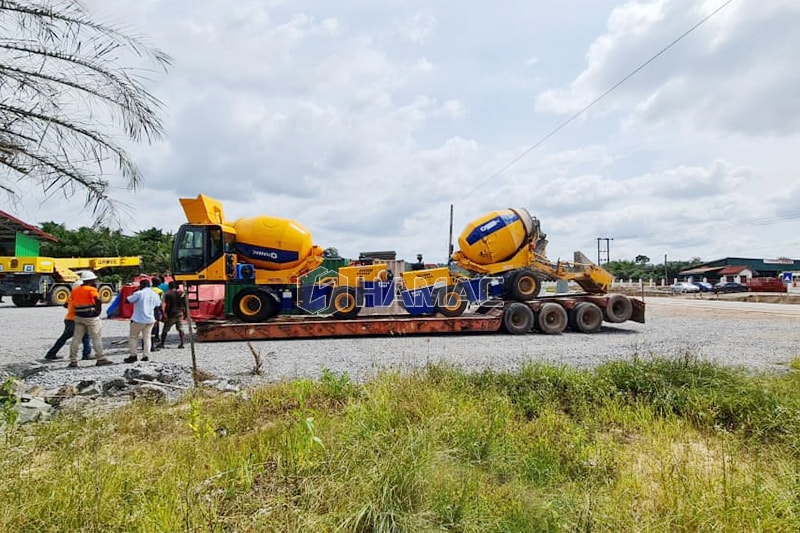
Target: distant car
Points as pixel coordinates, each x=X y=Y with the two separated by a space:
x=704 y=286
x=730 y=286
x=683 y=286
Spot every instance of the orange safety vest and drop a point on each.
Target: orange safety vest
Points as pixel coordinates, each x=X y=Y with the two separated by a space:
x=83 y=299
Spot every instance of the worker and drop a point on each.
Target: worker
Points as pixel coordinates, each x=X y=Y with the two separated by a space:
x=419 y=265
x=87 y=304
x=69 y=330
x=175 y=312
x=158 y=312
x=144 y=301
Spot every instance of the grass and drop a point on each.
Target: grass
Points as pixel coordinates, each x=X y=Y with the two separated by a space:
x=644 y=445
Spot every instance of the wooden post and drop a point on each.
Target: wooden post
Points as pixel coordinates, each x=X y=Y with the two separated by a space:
x=191 y=338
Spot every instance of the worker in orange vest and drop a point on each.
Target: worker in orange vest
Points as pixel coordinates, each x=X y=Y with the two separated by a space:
x=87 y=304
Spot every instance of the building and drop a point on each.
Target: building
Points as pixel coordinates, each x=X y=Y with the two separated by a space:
x=20 y=239
x=740 y=269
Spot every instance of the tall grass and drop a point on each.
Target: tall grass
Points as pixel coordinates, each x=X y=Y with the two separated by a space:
x=647 y=444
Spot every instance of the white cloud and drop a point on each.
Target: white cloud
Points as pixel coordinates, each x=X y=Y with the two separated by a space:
x=366 y=124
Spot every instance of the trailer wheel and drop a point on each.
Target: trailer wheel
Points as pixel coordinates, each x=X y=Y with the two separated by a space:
x=586 y=317
x=524 y=285
x=59 y=295
x=344 y=303
x=451 y=301
x=25 y=300
x=551 y=319
x=105 y=293
x=517 y=318
x=254 y=305
x=618 y=308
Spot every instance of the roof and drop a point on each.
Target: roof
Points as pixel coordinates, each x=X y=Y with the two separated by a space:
x=732 y=270
x=699 y=270
x=10 y=225
x=765 y=266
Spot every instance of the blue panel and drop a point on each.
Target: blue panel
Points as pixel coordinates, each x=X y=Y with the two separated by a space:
x=261 y=253
x=314 y=298
x=378 y=293
x=491 y=226
x=482 y=288
x=418 y=301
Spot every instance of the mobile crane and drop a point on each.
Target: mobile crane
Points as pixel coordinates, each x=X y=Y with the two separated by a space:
x=270 y=266
x=30 y=280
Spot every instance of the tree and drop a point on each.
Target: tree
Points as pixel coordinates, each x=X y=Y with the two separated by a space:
x=64 y=96
x=642 y=259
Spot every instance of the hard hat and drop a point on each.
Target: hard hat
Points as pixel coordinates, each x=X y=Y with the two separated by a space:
x=88 y=275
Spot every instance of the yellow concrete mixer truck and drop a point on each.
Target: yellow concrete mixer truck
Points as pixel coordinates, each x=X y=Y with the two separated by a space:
x=271 y=268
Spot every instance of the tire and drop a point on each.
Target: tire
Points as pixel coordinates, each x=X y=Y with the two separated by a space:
x=59 y=295
x=25 y=300
x=618 y=308
x=517 y=318
x=451 y=301
x=586 y=317
x=523 y=285
x=254 y=305
x=551 y=319
x=344 y=303
x=106 y=293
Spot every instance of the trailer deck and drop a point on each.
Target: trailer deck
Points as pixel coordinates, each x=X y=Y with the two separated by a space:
x=488 y=318
x=311 y=327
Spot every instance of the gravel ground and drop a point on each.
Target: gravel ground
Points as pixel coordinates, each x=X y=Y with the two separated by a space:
x=759 y=336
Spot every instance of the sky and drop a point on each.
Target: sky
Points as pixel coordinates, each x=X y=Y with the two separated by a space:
x=366 y=120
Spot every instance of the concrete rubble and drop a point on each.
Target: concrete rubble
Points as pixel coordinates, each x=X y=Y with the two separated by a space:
x=155 y=383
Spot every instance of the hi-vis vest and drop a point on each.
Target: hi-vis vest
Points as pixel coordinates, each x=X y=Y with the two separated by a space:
x=84 y=298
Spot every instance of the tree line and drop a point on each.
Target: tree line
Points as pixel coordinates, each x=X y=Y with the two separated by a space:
x=641 y=268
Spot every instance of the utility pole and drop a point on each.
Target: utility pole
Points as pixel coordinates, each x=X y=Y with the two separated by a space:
x=666 y=272
x=604 y=252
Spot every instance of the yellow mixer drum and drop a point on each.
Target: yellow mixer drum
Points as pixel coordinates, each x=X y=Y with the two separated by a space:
x=496 y=236
x=272 y=243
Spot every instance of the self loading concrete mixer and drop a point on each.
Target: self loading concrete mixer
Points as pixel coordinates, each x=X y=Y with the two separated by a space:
x=509 y=243
x=268 y=265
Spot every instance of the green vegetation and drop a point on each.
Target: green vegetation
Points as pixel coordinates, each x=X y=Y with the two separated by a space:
x=640 y=268
x=152 y=245
x=646 y=445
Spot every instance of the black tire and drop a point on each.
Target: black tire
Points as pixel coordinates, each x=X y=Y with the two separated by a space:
x=25 y=300
x=523 y=285
x=451 y=301
x=254 y=305
x=59 y=295
x=618 y=308
x=517 y=318
x=106 y=293
x=344 y=303
x=551 y=319
x=586 y=317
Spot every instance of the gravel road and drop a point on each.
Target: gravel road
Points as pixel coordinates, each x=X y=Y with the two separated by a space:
x=759 y=336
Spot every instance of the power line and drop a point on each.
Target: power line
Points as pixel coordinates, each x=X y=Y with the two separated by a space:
x=596 y=100
x=764 y=221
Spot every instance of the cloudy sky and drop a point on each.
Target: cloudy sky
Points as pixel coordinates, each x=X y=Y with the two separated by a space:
x=364 y=120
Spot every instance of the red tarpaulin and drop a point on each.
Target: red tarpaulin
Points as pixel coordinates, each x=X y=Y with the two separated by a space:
x=212 y=303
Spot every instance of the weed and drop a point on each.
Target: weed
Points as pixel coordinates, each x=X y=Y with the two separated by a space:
x=641 y=445
x=8 y=405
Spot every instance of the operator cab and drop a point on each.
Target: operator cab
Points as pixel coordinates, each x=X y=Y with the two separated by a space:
x=197 y=247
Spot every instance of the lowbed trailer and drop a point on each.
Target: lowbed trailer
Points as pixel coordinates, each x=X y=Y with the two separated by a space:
x=549 y=315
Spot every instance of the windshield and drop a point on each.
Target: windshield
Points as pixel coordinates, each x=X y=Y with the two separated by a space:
x=195 y=248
